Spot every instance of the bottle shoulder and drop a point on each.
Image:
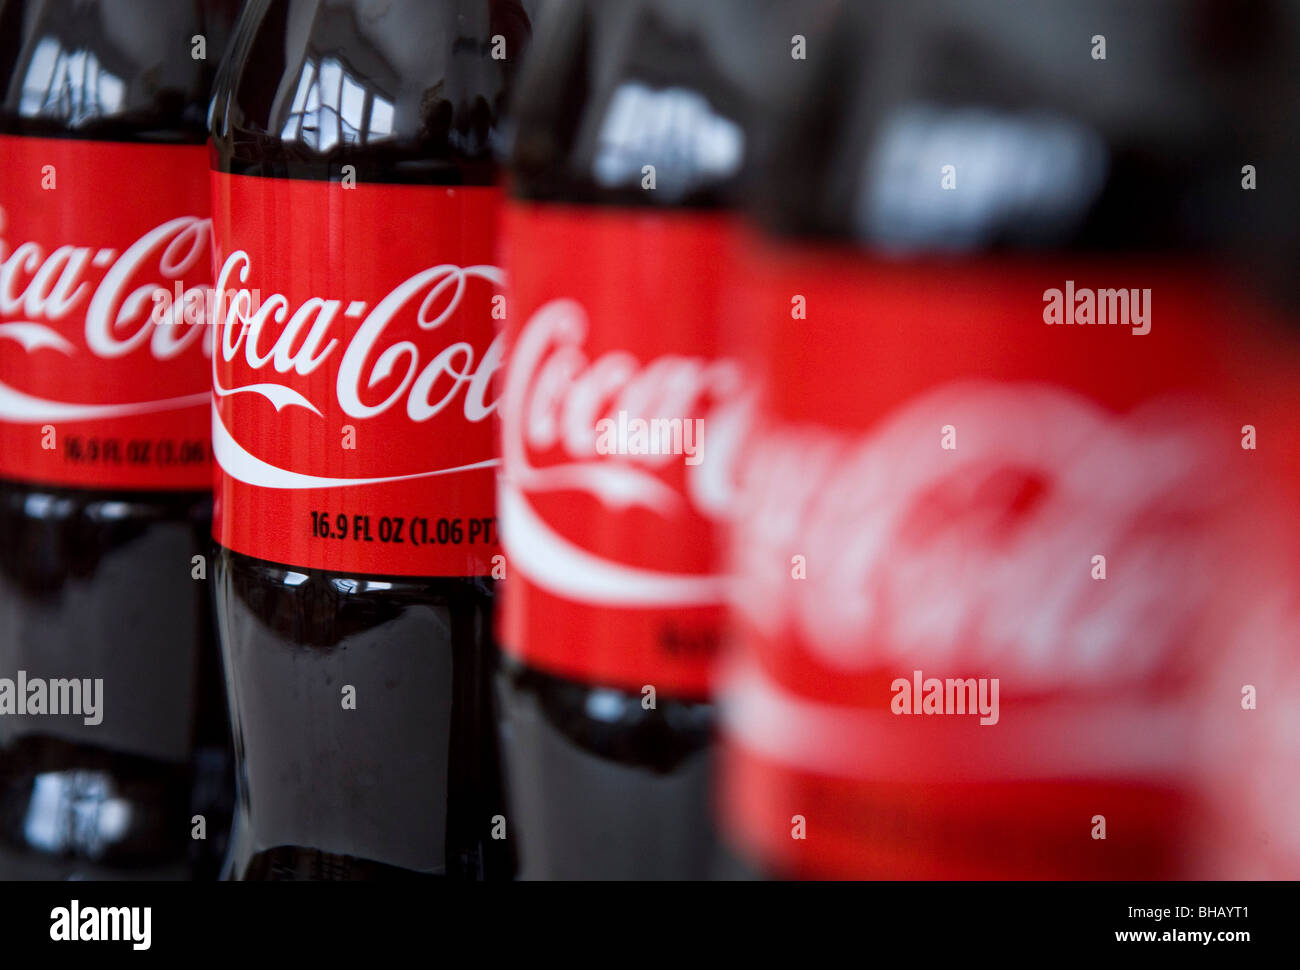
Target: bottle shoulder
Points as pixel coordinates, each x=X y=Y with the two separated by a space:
x=408 y=91
x=636 y=105
x=130 y=72
x=992 y=130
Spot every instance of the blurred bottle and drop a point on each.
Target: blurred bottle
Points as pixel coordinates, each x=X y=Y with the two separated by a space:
x=355 y=219
x=1249 y=740
x=629 y=143
x=999 y=497
x=104 y=458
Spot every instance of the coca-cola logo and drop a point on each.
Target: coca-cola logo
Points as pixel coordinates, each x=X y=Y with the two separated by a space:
x=981 y=556
x=45 y=291
x=555 y=400
x=270 y=347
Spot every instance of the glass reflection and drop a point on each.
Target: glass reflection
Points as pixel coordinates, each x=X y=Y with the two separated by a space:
x=75 y=811
x=331 y=107
x=1025 y=176
x=70 y=84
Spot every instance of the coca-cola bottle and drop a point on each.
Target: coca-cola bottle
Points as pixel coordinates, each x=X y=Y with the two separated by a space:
x=620 y=421
x=353 y=372
x=112 y=722
x=1005 y=518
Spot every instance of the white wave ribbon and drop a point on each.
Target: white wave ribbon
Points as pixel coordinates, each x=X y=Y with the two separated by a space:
x=558 y=566
x=33 y=336
x=278 y=394
x=24 y=408
x=237 y=462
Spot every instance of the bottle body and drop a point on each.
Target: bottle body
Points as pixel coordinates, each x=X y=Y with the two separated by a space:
x=612 y=618
x=356 y=216
x=1018 y=294
x=105 y=502
x=621 y=420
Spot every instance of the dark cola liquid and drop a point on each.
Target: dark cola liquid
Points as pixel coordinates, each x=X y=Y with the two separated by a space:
x=414 y=783
x=90 y=587
x=409 y=780
x=602 y=788
x=92 y=583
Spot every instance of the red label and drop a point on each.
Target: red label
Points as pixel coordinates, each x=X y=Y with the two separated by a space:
x=352 y=375
x=620 y=422
x=105 y=265
x=966 y=489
